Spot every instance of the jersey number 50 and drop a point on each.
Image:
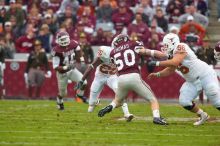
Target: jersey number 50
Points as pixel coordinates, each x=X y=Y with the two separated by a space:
x=121 y=61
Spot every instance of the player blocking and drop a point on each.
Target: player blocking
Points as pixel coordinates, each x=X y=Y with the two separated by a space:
x=126 y=55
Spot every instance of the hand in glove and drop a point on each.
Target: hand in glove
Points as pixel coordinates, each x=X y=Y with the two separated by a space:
x=153 y=63
x=79 y=85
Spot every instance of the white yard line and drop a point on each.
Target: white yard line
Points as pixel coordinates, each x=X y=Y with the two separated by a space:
x=115 y=133
x=171 y=119
x=17 y=143
x=28 y=143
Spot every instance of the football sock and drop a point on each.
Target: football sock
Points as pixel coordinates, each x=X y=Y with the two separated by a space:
x=80 y=93
x=93 y=98
x=113 y=105
x=125 y=109
x=199 y=112
x=59 y=100
x=156 y=113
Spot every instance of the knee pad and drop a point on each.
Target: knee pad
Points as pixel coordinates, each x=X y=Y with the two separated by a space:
x=184 y=102
x=189 y=107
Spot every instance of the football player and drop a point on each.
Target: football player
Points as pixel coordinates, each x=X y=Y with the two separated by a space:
x=106 y=73
x=64 y=63
x=126 y=55
x=198 y=75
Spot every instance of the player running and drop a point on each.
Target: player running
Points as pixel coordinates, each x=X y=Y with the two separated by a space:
x=64 y=63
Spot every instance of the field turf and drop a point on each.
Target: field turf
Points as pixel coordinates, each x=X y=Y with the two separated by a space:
x=39 y=123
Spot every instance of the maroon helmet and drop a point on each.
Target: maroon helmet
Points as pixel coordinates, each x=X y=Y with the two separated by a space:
x=119 y=39
x=63 y=38
x=217 y=51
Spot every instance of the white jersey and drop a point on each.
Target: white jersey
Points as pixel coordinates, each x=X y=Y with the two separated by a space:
x=191 y=67
x=106 y=68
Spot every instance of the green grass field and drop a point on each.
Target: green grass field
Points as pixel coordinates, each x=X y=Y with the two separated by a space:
x=39 y=123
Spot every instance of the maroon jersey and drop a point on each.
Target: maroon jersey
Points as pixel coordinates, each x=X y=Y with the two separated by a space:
x=126 y=58
x=24 y=44
x=66 y=55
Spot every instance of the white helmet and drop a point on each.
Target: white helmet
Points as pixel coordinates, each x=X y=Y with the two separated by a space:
x=170 y=42
x=63 y=38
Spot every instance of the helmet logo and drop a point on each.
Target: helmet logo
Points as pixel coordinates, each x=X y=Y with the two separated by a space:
x=171 y=39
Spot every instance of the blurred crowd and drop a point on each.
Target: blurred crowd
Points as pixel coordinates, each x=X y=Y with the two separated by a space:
x=96 y=22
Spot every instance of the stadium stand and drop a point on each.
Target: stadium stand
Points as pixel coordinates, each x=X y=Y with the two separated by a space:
x=96 y=23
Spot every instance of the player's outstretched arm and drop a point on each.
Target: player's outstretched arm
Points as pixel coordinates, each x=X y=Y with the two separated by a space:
x=175 y=61
x=152 y=53
x=165 y=72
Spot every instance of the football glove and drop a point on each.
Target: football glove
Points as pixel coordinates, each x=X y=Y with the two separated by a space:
x=79 y=84
x=153 y=63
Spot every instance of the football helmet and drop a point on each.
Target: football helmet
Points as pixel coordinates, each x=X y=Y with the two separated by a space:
x=217 y=51
x=170 y=42
x=119 y=39
x=63 y=38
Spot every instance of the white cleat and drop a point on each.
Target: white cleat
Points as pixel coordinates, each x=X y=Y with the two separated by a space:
x=203 y=117
x=129 y=117
x=91 y=108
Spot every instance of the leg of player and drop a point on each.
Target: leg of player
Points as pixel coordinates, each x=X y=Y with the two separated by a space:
x=80 y=93
x=157 y=119
x=93 y=101
x=188 y=92
x=128 y=117
x=62 y=87
x=195 y=109
x=112 y=82
x=114 y=104
x=144 y=90
x=60 y=104
x=95 y=90
x=76 y=76
x=212 y=89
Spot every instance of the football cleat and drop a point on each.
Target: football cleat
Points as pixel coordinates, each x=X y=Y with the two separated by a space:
x=60 y=106
x=129 y=117
x=203 y=117
x=84 y=99
x=159 y=121
x=92 y=107
x=105 y=110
